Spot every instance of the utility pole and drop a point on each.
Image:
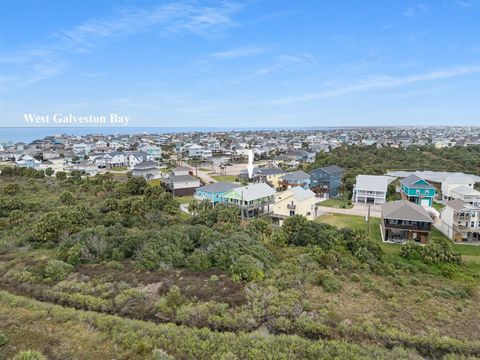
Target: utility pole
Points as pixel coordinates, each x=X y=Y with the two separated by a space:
x=241 y=205
x=368 y=220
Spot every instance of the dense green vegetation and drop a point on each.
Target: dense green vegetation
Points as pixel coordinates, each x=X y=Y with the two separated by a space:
x=108 y=267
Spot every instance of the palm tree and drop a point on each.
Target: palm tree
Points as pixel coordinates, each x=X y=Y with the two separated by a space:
x=193 y=206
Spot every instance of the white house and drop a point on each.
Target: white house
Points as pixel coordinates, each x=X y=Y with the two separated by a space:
x=467 y=194
x=207 y=154
x=295 y=201
x=28 y=162
x=460 y=221
x=195 y=150
x=371 y=189
x=452 y=182
x=136 y=157
x=81 y=148
x=87 y=167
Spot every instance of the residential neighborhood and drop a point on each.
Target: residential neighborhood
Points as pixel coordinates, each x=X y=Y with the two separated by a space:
x=211 y=166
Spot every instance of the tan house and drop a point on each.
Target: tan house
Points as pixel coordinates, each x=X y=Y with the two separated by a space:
x=295 y=201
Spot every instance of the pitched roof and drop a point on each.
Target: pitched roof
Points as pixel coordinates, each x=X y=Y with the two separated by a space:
x=219 y=187
x=254 y=191
x=295 y=176
x=148 y=164
x=264 y=171
x=180 y=168
x=300 y=193
x=332 y=169
x=465 y=190
x=412 y=182
x=182 y=178
x=459 y=204
x=405 y=210
x=373 y=182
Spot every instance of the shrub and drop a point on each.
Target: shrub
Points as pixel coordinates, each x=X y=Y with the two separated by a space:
x=328 y=281
x=158 y=354
x=112 y=218
x=437 y=251
x=3 y=339
x=67 y=198
x=11 y=189
x=60 y=175
x=57 y=270
x=198 y=261
x=29 y=355
x=247 y=268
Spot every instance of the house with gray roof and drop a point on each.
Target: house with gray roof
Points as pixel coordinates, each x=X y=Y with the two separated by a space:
x=149 y=169
x=326 y=180
x=415 y=189
x=214 y=192
x=295 y=178
x=403 y=220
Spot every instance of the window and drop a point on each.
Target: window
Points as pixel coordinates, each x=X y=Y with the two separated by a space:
x=418 y=192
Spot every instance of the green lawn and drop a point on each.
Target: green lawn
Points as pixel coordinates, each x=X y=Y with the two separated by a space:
x=358 y=222
x=184 y=199
x=225 y=178
x=154 y=182
x=438 y=207
x=119 y=168
x=337 y=203
x=353 y=222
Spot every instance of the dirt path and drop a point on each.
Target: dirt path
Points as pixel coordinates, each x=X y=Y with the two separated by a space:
x=357 y=210
x=207 y=179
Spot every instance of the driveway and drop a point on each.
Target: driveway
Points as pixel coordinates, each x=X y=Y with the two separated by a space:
x=201 y=174
x=357 y=210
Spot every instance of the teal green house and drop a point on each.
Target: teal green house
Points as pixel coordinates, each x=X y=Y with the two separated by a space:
x=417 y=190
x=214 y=192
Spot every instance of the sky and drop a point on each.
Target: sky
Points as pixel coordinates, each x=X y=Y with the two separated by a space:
x=252 y=63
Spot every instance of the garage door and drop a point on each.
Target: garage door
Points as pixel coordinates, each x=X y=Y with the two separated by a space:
x=424 y=202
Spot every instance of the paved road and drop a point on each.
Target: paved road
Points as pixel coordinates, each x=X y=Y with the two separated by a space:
x=201 y=174
x=358 y=210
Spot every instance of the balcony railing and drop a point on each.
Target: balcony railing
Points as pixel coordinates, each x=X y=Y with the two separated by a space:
x=464 y=228
x=408 y=227
x=291 y=206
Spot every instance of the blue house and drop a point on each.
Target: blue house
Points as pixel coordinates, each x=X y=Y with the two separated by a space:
x=214 y=192
x=417 y=190
x=326 y=180
x=295 y=178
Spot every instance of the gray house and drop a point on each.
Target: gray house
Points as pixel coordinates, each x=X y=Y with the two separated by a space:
x=148 y=169
x=326 y=180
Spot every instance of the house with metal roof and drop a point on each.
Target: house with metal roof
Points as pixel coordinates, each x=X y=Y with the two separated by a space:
x=214 y=192
x=252 y=200
x=403 y=220
x=417 y=190
x=371 y=189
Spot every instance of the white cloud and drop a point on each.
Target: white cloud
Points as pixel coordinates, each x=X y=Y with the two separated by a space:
x=416 y=10
x=35 y=61
x=380 y=82
x=239 y=52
